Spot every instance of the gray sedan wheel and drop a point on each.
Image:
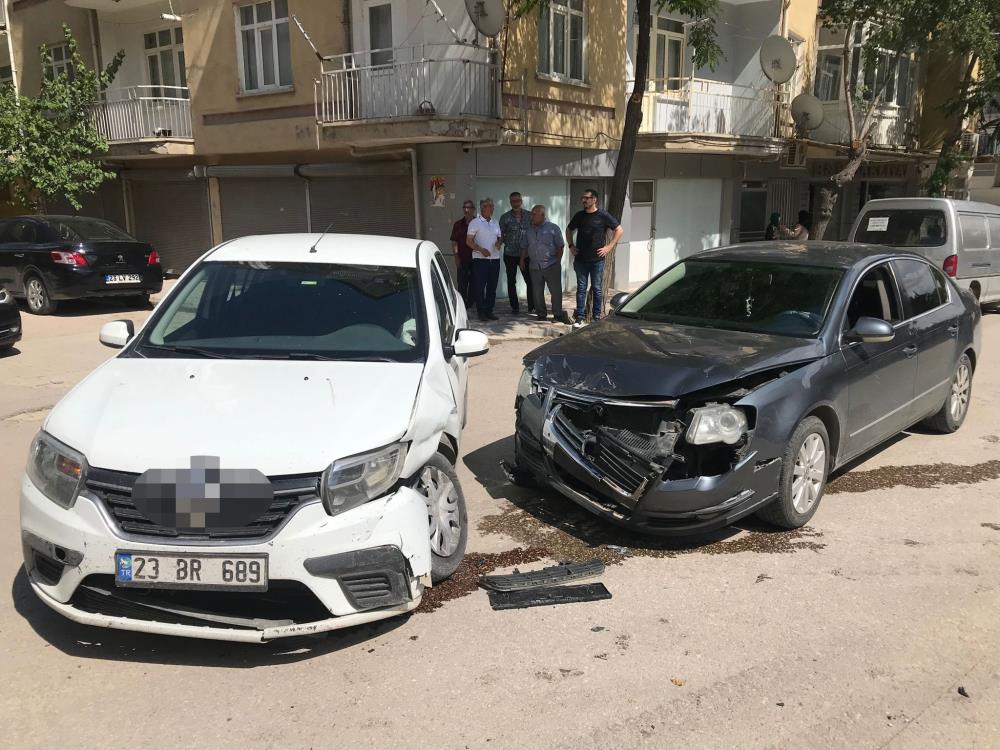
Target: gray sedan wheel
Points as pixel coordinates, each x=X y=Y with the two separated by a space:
x=955 y=408
x=804 y=470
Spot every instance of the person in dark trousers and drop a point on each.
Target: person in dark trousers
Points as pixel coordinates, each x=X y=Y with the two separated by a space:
x=541 y=255
x=590 y=249
x=513 y=225
x=463 y=253
x=484 y=239
x=773 y=230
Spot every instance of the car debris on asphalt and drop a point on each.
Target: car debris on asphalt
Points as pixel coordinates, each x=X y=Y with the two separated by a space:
x=544 y=596
x=537 y=588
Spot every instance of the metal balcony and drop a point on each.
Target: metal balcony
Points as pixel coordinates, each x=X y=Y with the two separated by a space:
x=144 y=113
x=893 y=128
x=453 y=80
x=704 y=107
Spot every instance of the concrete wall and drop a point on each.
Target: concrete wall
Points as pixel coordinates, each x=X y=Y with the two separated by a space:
x=942 y=74
x=34 y=23
x=569 y=114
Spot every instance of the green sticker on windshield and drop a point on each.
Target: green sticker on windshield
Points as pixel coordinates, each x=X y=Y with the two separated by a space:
x=309 y=283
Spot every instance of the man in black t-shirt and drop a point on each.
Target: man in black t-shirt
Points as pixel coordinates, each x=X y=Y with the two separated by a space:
x=590 y=249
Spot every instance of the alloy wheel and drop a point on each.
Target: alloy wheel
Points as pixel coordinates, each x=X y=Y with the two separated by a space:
x=35 y=294
x=809 y=473
x=443 y=515
x=960 y=387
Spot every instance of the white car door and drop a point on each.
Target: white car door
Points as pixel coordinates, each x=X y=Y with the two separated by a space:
x=444 y=303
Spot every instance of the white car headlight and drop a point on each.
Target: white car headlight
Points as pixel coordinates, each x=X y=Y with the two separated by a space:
x=524 y=386
x=56 y=470
x=350 y=482
x=716 y=423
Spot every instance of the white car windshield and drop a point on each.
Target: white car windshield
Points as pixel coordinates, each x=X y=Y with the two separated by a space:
x=257 y=310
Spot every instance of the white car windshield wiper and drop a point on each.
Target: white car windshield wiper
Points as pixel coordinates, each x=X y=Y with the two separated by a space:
x=185 y=350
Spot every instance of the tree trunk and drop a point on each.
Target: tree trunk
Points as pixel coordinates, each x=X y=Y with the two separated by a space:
x=630 y=134
x=946 y=160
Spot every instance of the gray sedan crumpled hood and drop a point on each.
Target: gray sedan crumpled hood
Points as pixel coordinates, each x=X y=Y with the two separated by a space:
x=622 y=357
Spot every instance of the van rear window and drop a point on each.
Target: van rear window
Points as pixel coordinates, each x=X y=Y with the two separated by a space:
x=903 y=227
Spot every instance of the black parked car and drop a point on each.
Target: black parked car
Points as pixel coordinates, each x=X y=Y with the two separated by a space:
x=49 y=258
x=10 y=321
x=735 y=381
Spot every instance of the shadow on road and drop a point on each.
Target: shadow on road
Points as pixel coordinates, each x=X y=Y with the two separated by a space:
x=76 y=308
x=11 y=352
x=90 y=642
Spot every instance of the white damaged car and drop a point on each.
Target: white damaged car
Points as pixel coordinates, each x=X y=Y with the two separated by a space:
x=271 y=454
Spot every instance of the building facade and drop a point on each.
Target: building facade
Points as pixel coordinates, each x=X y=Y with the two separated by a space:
x=231 y=117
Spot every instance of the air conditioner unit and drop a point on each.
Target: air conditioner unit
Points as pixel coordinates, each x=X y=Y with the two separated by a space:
x=794 y=156
x=970 y=143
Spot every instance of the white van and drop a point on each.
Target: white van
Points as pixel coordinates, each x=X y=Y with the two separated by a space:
x=961 y=237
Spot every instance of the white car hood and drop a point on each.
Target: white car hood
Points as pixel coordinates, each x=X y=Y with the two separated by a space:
x=278 y=417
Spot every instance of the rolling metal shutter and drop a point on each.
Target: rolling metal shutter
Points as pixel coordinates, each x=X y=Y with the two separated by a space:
x=173 y=216
x=365 y=204
x=106 y=203
x=262 y=205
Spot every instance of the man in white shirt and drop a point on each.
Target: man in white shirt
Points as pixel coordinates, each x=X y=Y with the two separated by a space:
x=484 y=238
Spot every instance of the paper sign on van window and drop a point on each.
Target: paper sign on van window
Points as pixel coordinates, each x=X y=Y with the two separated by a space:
x=878 y=224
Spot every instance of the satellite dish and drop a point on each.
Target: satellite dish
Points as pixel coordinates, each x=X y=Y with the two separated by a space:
x=487 y=15
x=807 y=111
x=777 y=59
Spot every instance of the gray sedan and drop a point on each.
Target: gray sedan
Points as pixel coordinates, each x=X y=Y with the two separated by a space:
x=736 y=380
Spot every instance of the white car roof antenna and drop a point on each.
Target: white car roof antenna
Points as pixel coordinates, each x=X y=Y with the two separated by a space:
x=320 y=239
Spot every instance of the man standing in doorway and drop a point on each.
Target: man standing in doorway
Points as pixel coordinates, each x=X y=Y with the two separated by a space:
x=513 y=226
x=541 y=254
x=484 y=239
x=463 y=253
x=589 y=251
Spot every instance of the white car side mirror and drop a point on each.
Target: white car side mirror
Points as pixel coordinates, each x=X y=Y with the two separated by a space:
x=470 y=343
x=117 y=333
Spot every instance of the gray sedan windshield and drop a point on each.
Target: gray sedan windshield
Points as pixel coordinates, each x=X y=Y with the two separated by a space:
x=776 y=298
x=292 y=311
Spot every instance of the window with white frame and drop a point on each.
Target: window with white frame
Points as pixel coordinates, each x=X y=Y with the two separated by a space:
x=561 y=46
x=165 y=62
x=59 y=61
x=868 y=74
x=263 y=45
x=667 y=44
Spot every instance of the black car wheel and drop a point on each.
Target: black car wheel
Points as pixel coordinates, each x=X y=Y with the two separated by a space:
x=952 y=413
x=37 y=297
x=804 y=470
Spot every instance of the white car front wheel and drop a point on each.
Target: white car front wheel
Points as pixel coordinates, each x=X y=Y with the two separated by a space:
x=446 y=516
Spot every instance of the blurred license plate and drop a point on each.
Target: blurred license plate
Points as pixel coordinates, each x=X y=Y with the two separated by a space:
x=122 y=278
x=179 y=570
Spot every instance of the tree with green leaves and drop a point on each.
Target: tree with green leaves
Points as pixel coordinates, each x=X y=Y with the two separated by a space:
x=970 y=31
x=702 y=39
x=891 y=29
x=49 y=143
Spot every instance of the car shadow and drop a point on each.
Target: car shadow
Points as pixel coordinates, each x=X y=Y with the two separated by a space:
x=12 y=352
x=91 y=642
x=548 y=508
x=872 y=452
x=77 y=308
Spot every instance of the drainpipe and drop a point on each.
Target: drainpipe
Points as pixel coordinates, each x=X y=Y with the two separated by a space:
x=297 y=170
x=10 y=44
x=415 y=175
x=95 y=41
x=348 y=31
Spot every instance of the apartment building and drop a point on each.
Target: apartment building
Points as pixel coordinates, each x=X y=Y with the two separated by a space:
x=226 y=120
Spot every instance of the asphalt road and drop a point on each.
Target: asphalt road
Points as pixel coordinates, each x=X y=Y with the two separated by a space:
x=856 y=631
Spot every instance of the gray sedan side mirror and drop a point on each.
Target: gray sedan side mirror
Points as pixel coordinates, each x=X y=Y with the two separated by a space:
x=117 y=333
x=618 y=300
x=872 y=331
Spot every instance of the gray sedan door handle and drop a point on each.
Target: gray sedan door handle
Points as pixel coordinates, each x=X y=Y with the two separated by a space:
x=18 y=255
x=953 y=330
x=910 y=350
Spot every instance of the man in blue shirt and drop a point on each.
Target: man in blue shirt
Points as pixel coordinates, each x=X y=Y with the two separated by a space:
x=513 y=225
x=591 y=226
x=541 y=259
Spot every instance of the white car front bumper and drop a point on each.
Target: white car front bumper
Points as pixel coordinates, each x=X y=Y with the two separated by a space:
x=83 y=540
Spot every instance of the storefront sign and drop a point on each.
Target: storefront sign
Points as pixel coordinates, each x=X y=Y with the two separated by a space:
x=889 y=170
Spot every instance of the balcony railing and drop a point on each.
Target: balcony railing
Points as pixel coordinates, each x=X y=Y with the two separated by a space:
x=893 y=128
x=141 y=113
x=700 y=106
x=429 y=79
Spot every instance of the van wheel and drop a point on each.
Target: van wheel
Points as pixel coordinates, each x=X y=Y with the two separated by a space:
x=952 y=413
x=37 y=297
x=804 y=470
x=446 y=515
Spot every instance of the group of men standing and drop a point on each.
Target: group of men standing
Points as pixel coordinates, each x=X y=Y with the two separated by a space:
x=528 y=242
